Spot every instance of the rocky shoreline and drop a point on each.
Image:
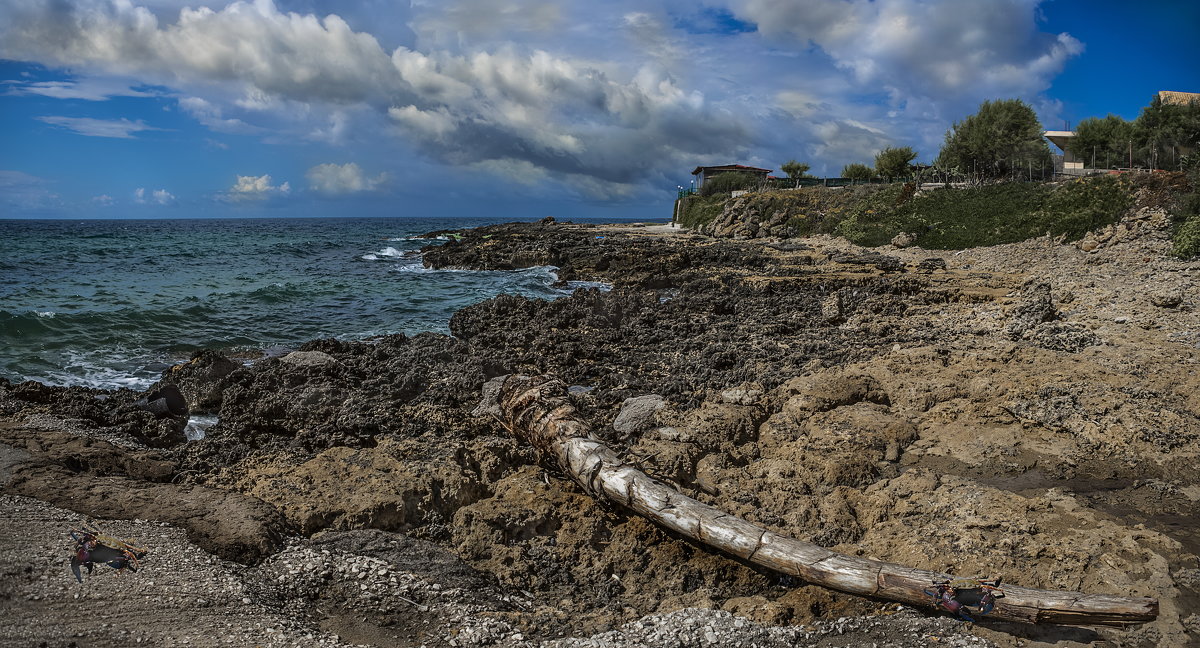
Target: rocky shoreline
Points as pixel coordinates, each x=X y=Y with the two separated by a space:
x=1029 y=410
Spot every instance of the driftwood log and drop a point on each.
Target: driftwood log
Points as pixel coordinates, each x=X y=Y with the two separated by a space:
x=536 y=410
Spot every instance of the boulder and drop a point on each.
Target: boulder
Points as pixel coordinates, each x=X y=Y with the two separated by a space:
x=637 y=414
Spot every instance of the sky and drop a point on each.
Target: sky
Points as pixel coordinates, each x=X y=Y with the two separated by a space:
x=564 y=108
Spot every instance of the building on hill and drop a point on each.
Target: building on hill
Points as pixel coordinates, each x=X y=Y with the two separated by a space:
x=1065 y=163
x=703 y=173
x=1178 y=98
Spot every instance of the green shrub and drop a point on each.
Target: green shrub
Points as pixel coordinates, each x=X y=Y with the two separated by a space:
x=857 y=171
x=728 y=182
x=1186 y=237
x=700 y=210
x=949 y=218
x=1083 y=205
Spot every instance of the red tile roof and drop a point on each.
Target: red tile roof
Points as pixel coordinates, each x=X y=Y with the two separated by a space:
x=729 y=167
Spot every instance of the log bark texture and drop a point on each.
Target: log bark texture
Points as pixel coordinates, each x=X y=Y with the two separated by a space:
x=536 y=410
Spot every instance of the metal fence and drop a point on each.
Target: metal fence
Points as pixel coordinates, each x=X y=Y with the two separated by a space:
x=926 y=178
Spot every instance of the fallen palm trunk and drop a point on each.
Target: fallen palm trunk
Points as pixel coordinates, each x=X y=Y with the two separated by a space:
x=537 y=411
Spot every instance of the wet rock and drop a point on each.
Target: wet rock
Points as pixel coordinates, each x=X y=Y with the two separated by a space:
x=201 y=379
x=308 y=358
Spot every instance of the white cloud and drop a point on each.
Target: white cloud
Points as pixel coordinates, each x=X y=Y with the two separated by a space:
x=256 y=188
x=517 y=170
x=86 y=89
x=949 y=50
x=431 y=123
x=299 y=56
x=116 y=128
x=340 y=179
x=20 y=191
x=104 y=200
x=454 y=23
x=600 y=98
x=564 y=115
x=210 y=115
x=155 y=197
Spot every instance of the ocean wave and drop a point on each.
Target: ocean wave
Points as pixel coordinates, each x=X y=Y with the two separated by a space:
x=418 y=237
x=390 y=253
x=104 y=369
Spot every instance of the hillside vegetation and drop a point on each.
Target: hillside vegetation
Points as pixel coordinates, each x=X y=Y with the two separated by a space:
x=946 y=218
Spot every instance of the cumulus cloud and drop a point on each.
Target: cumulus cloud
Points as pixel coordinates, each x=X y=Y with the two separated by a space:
x=340 y=179
x=603 y=100
x=104 y=200
x=247 y=188
x=295 y=55
x=945 y=49
x=566 y=116
x=155 y=197
x=116 y=128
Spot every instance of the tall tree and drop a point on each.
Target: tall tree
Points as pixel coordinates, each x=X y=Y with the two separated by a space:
x=892 y=162
x=857 y=171
x=1162 y=131
x=1102 y=143
x=1004 y=136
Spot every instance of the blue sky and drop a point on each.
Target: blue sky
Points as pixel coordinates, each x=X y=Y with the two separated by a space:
x=164 y=109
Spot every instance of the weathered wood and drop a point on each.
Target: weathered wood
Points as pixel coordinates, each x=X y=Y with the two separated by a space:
x=536 y=410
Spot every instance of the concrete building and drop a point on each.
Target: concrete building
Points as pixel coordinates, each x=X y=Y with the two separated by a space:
x=1067 y=162
x=1178 y=98
x=703 y=173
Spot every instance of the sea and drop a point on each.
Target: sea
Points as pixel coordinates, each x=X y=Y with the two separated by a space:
x=112 y=303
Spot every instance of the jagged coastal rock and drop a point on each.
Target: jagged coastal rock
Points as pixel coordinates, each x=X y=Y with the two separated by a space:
x=978 y=412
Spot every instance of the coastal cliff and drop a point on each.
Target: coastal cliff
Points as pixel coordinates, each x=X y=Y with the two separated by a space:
x=935 y=216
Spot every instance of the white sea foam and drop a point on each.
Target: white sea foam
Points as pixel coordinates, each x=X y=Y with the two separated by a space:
x=389 y=253
x=198 y=426
x=45 y=314
x=576 y=285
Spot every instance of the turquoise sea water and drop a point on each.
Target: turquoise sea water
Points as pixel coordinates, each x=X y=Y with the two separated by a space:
x=113 y=303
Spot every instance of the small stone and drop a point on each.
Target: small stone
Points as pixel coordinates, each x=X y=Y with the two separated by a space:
x=1121 y=320
x=1167 y=298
